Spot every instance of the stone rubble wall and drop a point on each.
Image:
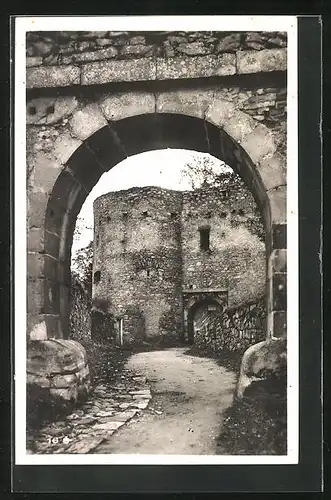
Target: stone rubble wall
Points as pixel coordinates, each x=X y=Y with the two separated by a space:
x=137 y=252
x=72 y=47
x=236 y=259
x=234 y=330
x=86 y=58
x=80 y=312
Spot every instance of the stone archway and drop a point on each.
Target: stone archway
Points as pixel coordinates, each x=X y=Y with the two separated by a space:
x=99 y=135
x=77 y=160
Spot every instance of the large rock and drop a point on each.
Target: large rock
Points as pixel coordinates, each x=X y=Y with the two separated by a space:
x=262 y=361
x=57 y=372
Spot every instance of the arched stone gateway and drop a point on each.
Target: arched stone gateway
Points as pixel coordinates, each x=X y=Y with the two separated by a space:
x=77 y=133
x=62 y=182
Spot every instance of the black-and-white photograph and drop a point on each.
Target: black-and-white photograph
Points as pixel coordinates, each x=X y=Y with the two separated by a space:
x=160 y=205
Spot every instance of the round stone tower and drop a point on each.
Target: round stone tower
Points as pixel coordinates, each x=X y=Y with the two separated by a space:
x=137 y=268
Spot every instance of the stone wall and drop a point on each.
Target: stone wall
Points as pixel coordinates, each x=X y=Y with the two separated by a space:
x=147 y=251
x=236 y=258
x=234 y=330
x=70 y=47
x=86 y=116
x=80 y=312
x=137 y=253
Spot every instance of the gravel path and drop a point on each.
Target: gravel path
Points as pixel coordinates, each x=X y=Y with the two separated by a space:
x=184 y=416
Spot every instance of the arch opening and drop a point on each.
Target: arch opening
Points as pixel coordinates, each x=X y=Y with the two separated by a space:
x=98 y=154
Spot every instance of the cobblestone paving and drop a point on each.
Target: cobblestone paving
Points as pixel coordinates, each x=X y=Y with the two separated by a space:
x=109 y=407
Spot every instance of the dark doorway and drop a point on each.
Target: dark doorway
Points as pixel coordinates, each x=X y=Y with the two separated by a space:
x=201 y=318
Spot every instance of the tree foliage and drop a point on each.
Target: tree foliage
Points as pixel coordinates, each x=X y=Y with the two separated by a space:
x=205 y=171
x=81 y=266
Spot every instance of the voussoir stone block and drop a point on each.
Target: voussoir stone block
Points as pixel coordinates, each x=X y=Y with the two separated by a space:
x=64 y=146
x=220 y=111
x=87 y=121
x=272 y=171
x=259 y=143
x=186 y=102
x=239 y=126
x=118 y=106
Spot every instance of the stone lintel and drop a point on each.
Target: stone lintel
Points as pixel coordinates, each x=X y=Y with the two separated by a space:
x=151 y=69
x=261 y=61
x=52 y=76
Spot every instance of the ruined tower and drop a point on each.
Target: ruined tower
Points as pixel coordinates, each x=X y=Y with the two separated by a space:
x=137 y=260
x=158 y=253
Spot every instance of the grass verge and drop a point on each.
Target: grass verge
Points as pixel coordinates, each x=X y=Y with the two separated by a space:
x=256 y=424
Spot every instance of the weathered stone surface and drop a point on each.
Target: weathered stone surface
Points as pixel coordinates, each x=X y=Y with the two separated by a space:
x=195 y=67
x=33 y=61
x=273 y=171
x=260 y=361
x=57 y=372
x=186 y=101
x=259 y=144
x=45 y=171
x=262 y=61
x=255 y=40
x=239 y=126
x=48 y=110
x=137 y=40
x=37 y=329
x=119 y=106
x=65 y=146
x=85 y=122
x=63 y=381
x=118 y=71
x=193 y=49
x=277 y=200
x=230 y=43
x=137 y=50
x=52 y=357
x=59 y=76
x=96 y=55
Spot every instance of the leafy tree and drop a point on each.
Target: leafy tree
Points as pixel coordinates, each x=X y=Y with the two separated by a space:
x=205 y=171
x=81 y=266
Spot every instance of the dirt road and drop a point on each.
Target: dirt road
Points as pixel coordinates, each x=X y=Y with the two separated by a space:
x=185 y=414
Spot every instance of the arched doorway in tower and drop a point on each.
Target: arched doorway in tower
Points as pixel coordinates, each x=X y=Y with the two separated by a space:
x=203 y=318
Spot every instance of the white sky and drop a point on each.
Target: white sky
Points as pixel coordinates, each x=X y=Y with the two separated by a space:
x=164 y=168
